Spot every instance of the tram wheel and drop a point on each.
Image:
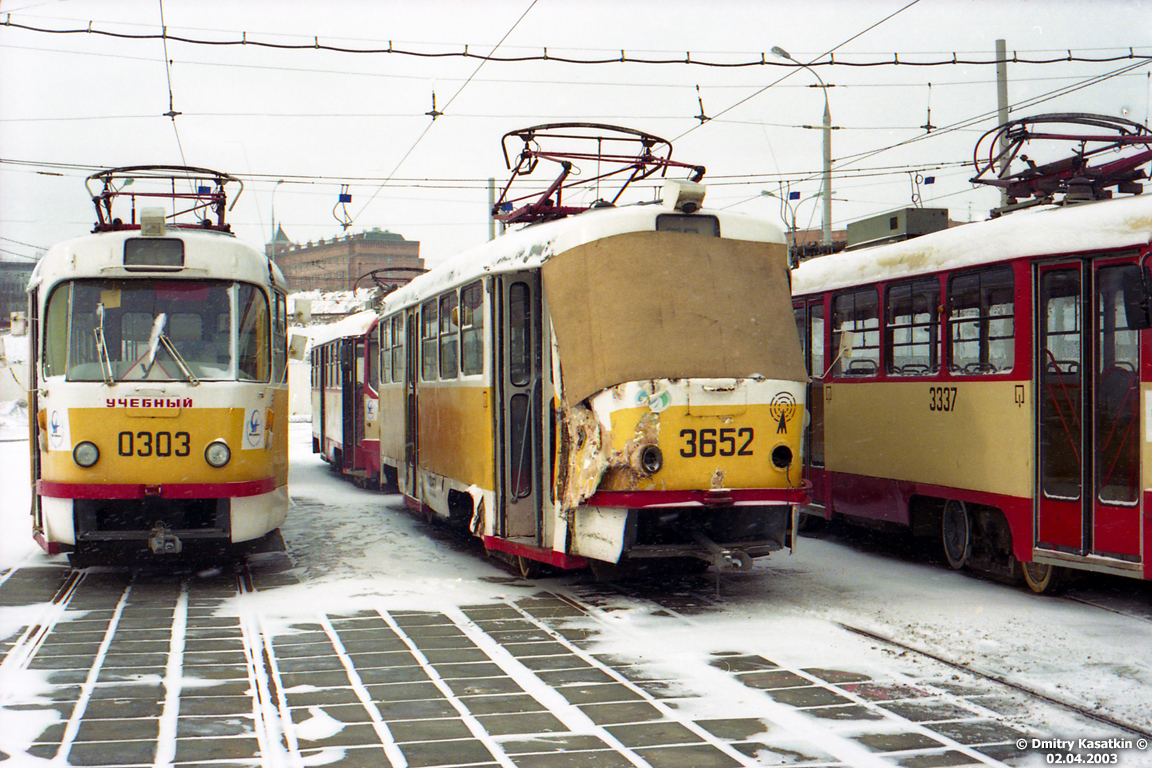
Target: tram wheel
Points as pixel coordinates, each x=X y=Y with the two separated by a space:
x=956 y=533
x=1041 y=578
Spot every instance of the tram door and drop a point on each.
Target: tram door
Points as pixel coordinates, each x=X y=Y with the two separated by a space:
x=1088 y=408
x=518 y=376
x=356 y=395
x=348 y=374
x=406 y=479
x=810 y=325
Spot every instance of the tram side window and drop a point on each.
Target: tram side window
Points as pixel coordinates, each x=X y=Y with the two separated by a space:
x=280 y=341
x=429 y=340
x=802 y=330
x=857 y=312
x=913 y=328
x=981 y=336
x=449 y=336
x=384 y=350
x=816 y=343
x=398 y=348
x=472 y=328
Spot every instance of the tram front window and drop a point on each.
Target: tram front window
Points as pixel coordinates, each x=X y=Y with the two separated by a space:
x=156 y=330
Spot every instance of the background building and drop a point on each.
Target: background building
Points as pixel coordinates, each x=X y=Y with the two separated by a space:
x=13 y=289
x=337 y=264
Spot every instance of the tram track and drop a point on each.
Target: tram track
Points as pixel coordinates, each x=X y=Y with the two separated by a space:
x=999 y=679
x=705 y=598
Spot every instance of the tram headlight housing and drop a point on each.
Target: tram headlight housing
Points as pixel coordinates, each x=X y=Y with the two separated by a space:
x=217 y=453
x=781 y=457
x=86 y=454
x=651 y=459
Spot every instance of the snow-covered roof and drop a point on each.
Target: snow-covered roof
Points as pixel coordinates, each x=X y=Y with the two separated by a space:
x=531 y=246
x=353 y=325
x=1102 y=226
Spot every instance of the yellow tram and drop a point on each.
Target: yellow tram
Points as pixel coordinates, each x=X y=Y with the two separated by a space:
x=608 y=385
x=159 y=363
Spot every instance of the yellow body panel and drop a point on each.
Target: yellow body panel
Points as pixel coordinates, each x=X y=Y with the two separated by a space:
x=971 y=435
x=392 y=424
x=456 y=433
x=702 y=446
x=104 y=426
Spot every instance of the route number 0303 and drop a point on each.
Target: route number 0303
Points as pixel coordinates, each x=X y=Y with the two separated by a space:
x=942 y=398
x=717 y=442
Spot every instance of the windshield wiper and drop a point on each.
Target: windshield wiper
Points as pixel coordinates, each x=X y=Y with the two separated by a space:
x=160 y=339
x=102 y=347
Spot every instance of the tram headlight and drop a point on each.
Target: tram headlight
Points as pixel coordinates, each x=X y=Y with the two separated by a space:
x=217 y=453
x=781 y=457
x=651 y=459
x=86 y=454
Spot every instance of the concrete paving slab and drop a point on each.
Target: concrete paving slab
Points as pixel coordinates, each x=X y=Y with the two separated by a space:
x=98 y=753
x=580 y=675
x=480 y=686
x=593 y=759
x=204 y=750
x=950 y=759
x=653 y=734
x=928 y=712
x=803 y=698
x=734 y=729
x=385 y=675
x=737 y=662
x=552 y=663
x=521 y=723
x=506 y=704
x=598 y=694
x=355 y=735
x=193 y=727
x=132 y=729
x=429 y=730
x=979 y=732
x=621 y=712
x=404 y=691
x=215 y=706
x=898 y=742
x=322 y=697
x=454 y=656
x=416 y=710
x=690 y=756
x=768 y=679
x=460 y=752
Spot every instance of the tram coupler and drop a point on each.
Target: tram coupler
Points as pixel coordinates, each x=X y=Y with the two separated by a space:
x=163 y=541
x=722 y=557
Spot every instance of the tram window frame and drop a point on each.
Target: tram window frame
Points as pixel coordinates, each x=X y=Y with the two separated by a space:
x=429 y=340
x=384 y=341
x=912 y=326
x=280 y=340
x=372 y=375
x=980 y=294
x=398 y=348
x=472 y=329
x=449 y=336
x=858 y=311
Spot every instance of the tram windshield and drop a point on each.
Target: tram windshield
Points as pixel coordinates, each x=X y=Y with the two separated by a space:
x=157 y=330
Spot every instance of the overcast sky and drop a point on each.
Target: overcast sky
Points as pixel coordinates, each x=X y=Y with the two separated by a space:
x=71 y=104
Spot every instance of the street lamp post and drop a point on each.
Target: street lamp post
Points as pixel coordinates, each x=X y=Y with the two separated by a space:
x=274 y=186
x=826 y=183
x=790 y=208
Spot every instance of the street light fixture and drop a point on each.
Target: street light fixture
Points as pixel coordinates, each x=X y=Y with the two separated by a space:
x=274 y=186
x=790 y=208
x=826 y=183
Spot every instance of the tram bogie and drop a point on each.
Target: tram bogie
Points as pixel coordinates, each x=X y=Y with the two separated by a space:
x=159 y=377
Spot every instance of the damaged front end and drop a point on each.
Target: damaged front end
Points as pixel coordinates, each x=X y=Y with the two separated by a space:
x=689 y=468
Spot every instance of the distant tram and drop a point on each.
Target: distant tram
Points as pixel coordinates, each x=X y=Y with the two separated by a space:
x=989 y=384
x=607 y=386
x=158 y=363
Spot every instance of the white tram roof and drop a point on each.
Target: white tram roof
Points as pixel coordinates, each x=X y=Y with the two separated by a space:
x=207 y=255
x=352 y=325
x=1050 y=230
x=531 y=246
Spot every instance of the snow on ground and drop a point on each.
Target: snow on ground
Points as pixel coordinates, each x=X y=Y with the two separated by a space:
x=356 y=549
